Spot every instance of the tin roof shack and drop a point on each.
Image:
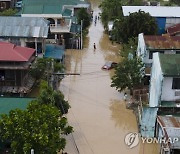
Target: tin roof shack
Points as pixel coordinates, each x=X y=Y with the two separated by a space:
x=174 y=30
x=60 y=13
x=25 y=31
x=164 y=15
x=55 y=51
x=149 y=44
x=168 y=128
x=15 y=62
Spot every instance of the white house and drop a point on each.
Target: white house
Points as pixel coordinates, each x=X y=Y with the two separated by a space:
x=165 y=79
x=149 y=44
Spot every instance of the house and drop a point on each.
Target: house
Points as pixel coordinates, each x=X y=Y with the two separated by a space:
x=6 y=4
x=15 y=62
x=24 y=31
x=174 y=30
x=165 y=16
x=149 y=44
x=165 y=80
x=60 y=13
x=168 y=128
x=164 y=92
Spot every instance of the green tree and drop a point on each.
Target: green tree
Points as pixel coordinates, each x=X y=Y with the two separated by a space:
x=128 y=74
x=39 y=127
x=130 y=26
x=50 y=96
x=177 y=2
x=42 y=66
x=9 y=12
x=111 y=10
x=84 y=16
x=129 y=48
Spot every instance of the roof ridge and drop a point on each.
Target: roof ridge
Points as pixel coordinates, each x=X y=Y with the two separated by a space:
x=17 y=53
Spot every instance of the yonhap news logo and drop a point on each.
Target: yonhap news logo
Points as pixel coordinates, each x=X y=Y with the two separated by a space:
x=132 y=140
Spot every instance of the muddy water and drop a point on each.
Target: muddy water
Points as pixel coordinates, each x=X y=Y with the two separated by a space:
x=98 y=113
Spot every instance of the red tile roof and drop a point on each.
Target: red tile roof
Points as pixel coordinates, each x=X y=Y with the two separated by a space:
x=11 y=52
x=173 y=30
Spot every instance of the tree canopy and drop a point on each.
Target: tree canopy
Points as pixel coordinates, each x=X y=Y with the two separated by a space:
x=132 y=25
x=84 y=16
x=52 y=97
x=129 y=48
x=177 y=2
x=42 y=66
x=128 y=74
x=39 y=127
x=112 y=9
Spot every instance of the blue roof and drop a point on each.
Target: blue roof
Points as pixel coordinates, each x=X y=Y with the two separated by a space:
x=54 y=51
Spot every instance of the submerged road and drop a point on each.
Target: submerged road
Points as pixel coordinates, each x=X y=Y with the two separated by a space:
x=98 y=113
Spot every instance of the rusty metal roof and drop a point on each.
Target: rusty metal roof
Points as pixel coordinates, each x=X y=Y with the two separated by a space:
x=162 y=42
x=173 y=30
x=24 y=27
x=171 y=127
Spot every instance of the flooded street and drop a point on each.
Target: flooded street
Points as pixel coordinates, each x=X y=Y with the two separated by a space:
x=98 y=113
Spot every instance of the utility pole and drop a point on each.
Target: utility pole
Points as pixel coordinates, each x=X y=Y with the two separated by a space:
x=81 y=35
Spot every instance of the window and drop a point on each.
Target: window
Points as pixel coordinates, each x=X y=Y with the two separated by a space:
x=176 y=83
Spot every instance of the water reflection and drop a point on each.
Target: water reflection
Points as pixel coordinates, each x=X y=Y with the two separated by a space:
x=123 y=118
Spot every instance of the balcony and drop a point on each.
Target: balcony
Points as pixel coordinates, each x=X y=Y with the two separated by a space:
x=63 y=27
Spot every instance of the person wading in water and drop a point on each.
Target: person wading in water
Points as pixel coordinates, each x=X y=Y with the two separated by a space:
x=94 y=46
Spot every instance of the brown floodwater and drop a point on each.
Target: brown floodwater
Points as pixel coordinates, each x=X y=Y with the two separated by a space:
x=98 y=112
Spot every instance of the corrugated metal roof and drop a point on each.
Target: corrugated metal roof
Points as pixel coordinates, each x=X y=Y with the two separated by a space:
x=171 y=126
x=162 y=42
x=170 y=64
x=173 y=30
x=54 y=51
x=155 y=11
x=67 y=12
x=23 y=27
x=8 y=104
x=48 y=6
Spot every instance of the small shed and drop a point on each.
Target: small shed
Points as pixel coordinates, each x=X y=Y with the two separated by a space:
x=54 y=51
x=168 y=127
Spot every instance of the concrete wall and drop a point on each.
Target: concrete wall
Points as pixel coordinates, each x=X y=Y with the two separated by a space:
x=141 y=50
x=168 y=94
x=155 y=82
